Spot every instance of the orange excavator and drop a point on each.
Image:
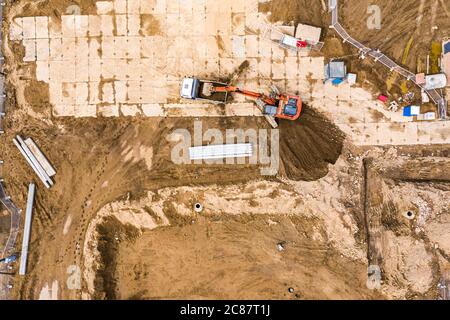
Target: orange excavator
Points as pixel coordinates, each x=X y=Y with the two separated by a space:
x=282 y=106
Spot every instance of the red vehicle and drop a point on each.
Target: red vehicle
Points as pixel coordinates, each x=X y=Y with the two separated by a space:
x=302 y=44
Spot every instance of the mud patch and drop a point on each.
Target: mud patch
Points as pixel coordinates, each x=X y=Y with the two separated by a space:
x=378 y=116
x=37 y=95
x=150 y=26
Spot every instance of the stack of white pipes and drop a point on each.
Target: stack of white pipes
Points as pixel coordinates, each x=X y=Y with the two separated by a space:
x=36 y=160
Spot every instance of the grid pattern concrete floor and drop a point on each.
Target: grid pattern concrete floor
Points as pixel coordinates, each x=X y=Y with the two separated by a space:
x=129 y=59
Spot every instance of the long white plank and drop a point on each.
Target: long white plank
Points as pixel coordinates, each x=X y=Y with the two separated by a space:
x=27 y=229
x=221 y=151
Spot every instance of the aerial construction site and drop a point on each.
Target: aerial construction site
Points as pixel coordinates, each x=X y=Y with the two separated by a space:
x=203 y=149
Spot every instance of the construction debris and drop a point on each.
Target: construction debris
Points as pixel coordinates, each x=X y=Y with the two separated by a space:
x=393 y=106
x=281 y=246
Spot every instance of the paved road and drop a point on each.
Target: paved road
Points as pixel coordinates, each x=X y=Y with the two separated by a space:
x=380 y=57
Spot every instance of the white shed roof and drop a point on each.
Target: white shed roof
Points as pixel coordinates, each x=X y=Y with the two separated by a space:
x=309 y=33
x=435 y=81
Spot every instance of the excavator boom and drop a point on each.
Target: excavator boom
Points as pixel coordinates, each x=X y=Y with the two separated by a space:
x=247 y=93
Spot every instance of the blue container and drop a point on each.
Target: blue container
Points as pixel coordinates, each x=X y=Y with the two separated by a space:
x=447 y=48
x=410 y=111
x=337 y=81
x=407 y=111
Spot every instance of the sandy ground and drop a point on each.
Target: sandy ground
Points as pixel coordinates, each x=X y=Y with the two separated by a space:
x=238 y=229
x=241 y=225
x=121 y=211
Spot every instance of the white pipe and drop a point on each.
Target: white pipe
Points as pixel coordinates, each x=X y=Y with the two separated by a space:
x=27 y=229
x=33 y=161
x=29 y=162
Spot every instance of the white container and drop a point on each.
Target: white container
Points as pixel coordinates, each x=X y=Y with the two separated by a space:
x=427 y=116
x=351 y=78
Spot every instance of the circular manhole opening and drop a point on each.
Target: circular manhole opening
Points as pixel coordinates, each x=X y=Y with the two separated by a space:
x=198 y=207
x=409 y=215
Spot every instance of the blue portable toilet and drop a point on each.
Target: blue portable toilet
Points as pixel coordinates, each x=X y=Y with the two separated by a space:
x=410 y=111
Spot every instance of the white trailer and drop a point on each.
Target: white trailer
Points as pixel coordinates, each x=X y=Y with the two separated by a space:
x=290 y=42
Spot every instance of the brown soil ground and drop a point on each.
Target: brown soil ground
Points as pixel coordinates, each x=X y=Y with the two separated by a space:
x=300 y=11
x=218 y=256
x=308 y=146
x=417 y=20
x=236 y=258
x=89 y=153
x=94 y=168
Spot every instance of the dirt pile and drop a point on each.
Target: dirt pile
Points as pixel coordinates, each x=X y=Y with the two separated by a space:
x=308 y=146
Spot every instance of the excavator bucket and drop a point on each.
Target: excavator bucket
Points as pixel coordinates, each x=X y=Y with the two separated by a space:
x=271 y=120
x=207 y=89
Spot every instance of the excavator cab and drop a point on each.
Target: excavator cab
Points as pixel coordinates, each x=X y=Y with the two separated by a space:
x=289 y=108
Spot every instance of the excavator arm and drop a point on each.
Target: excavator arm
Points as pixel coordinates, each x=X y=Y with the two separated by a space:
x=247 y=93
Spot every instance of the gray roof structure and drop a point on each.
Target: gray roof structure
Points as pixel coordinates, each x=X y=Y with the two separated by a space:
x=335 y=69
